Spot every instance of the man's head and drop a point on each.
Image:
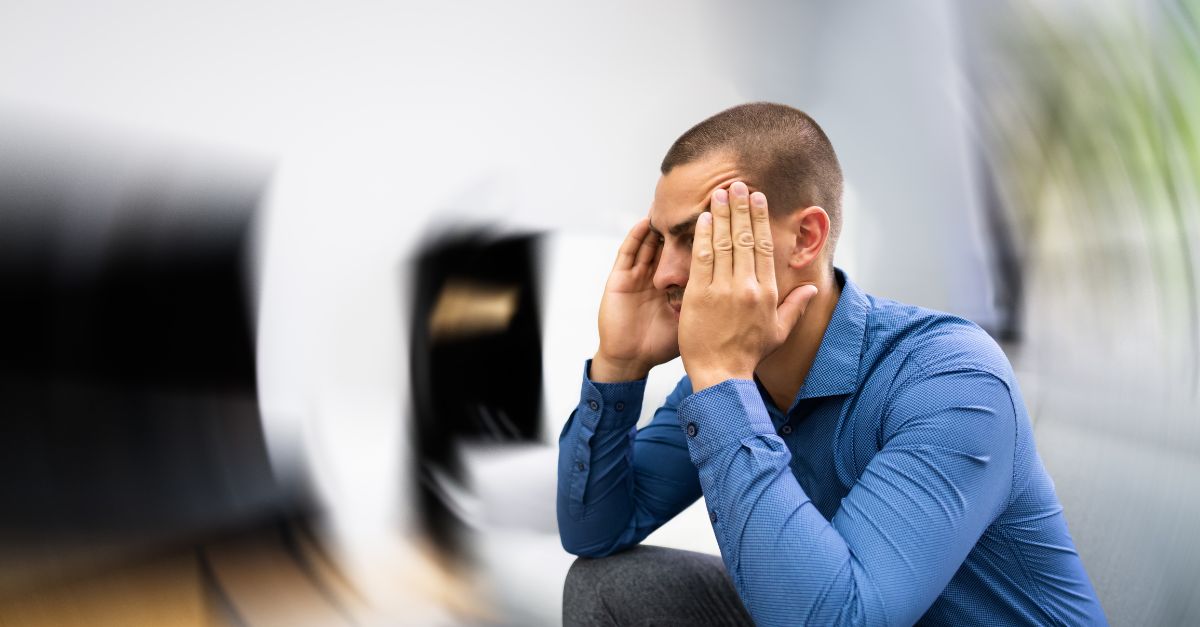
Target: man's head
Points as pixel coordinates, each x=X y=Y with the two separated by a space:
x=774 y=149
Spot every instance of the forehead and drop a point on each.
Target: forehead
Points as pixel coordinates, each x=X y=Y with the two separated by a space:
x=683 y=192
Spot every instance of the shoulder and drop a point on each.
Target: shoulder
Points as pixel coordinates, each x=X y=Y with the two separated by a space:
x=925 y=378
x=944 y=374
x=924 y=342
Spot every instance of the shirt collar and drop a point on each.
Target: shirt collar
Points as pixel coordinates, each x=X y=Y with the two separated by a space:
x=835 y=369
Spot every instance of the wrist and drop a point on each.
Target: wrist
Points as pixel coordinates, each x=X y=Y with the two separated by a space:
x=703 y=379
x=607 y=370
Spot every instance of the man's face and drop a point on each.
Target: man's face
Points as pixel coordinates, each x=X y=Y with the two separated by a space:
x=680 y=197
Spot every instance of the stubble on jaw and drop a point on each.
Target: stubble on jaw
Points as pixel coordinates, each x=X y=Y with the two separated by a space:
x=675 y=297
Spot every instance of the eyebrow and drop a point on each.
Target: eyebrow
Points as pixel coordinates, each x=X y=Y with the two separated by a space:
x=683 y=226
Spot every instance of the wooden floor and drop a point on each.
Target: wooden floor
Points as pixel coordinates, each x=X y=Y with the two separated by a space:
x=260 y=578
x=165 y=591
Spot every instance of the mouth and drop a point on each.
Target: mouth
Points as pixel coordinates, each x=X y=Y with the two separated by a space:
x=675 y=300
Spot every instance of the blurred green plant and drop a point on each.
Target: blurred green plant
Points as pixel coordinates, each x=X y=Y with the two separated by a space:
x=1096 y=122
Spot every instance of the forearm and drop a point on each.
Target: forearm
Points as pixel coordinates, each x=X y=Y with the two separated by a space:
x=615 y=485
x=770 y=533
x=595 y=475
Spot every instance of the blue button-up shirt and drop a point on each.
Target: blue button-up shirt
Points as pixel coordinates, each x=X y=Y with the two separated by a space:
x=901 y=485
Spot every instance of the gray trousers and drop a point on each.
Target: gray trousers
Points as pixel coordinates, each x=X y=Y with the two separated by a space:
x=650 y=585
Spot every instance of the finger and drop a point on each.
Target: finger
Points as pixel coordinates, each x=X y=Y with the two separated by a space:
x=722 y=243
x=649 y=247
x=627 y=253
x=792 y=308
x=742 y=232
x=764 y=246
x=702 y=251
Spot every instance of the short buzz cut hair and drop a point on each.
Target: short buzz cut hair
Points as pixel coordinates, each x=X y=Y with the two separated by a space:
x=780 y=150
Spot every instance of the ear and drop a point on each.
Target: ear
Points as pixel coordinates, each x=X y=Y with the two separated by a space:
x=811 y=228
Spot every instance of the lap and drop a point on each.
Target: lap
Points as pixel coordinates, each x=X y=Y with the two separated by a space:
x=650 y=585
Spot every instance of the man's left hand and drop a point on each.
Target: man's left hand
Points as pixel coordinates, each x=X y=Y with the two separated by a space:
x=731 y=316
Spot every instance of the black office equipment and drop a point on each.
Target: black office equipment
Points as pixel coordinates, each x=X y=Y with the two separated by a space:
x=476 y=360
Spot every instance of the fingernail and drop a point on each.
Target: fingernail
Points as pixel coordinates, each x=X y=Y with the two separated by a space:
x=739 y=189
x=706 y=218
x=721 y=195
x=758 y=199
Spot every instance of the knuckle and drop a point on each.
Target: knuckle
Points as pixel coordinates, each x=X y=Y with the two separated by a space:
x=723 y=244
x=766 y=245
x=745 y=239
x=704 y=254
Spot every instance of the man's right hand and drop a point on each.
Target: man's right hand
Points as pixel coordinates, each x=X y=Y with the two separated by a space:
x=637 y=329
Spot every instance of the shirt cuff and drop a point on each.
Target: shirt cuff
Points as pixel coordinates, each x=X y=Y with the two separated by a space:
x=605 y=406
x=721 y=416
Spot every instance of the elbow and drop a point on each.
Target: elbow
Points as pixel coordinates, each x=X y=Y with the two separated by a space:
x=579 y=550
x=582 y=548
x=580 y=540
x=592 y=530
x=583 y=535
x=570 y=544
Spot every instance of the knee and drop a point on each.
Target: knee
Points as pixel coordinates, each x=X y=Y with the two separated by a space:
x=651 y=585
x=584 y=581
x=590 y=593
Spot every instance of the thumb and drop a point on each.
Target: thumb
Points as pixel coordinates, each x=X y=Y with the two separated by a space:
x=792 y=307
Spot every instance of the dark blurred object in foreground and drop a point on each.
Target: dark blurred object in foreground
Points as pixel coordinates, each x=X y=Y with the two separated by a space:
x=128 y=410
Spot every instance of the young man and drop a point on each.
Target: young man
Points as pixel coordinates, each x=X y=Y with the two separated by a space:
x=863 y=462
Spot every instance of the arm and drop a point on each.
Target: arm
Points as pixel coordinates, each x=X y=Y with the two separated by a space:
x=943 y=471
x=943 y=474
x=617 y=485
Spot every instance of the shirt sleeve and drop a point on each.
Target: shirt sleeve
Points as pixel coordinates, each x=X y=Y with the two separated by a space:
x=942 y=475
x=617 y=484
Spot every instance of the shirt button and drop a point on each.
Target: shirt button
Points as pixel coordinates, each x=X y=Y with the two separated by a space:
x=692 y=430
x=712 y=515
x=785 y=429
x=593 y=405
x=620 y=406
x=579 y=466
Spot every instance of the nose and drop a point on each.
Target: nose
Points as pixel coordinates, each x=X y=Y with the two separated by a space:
x=673 y=266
